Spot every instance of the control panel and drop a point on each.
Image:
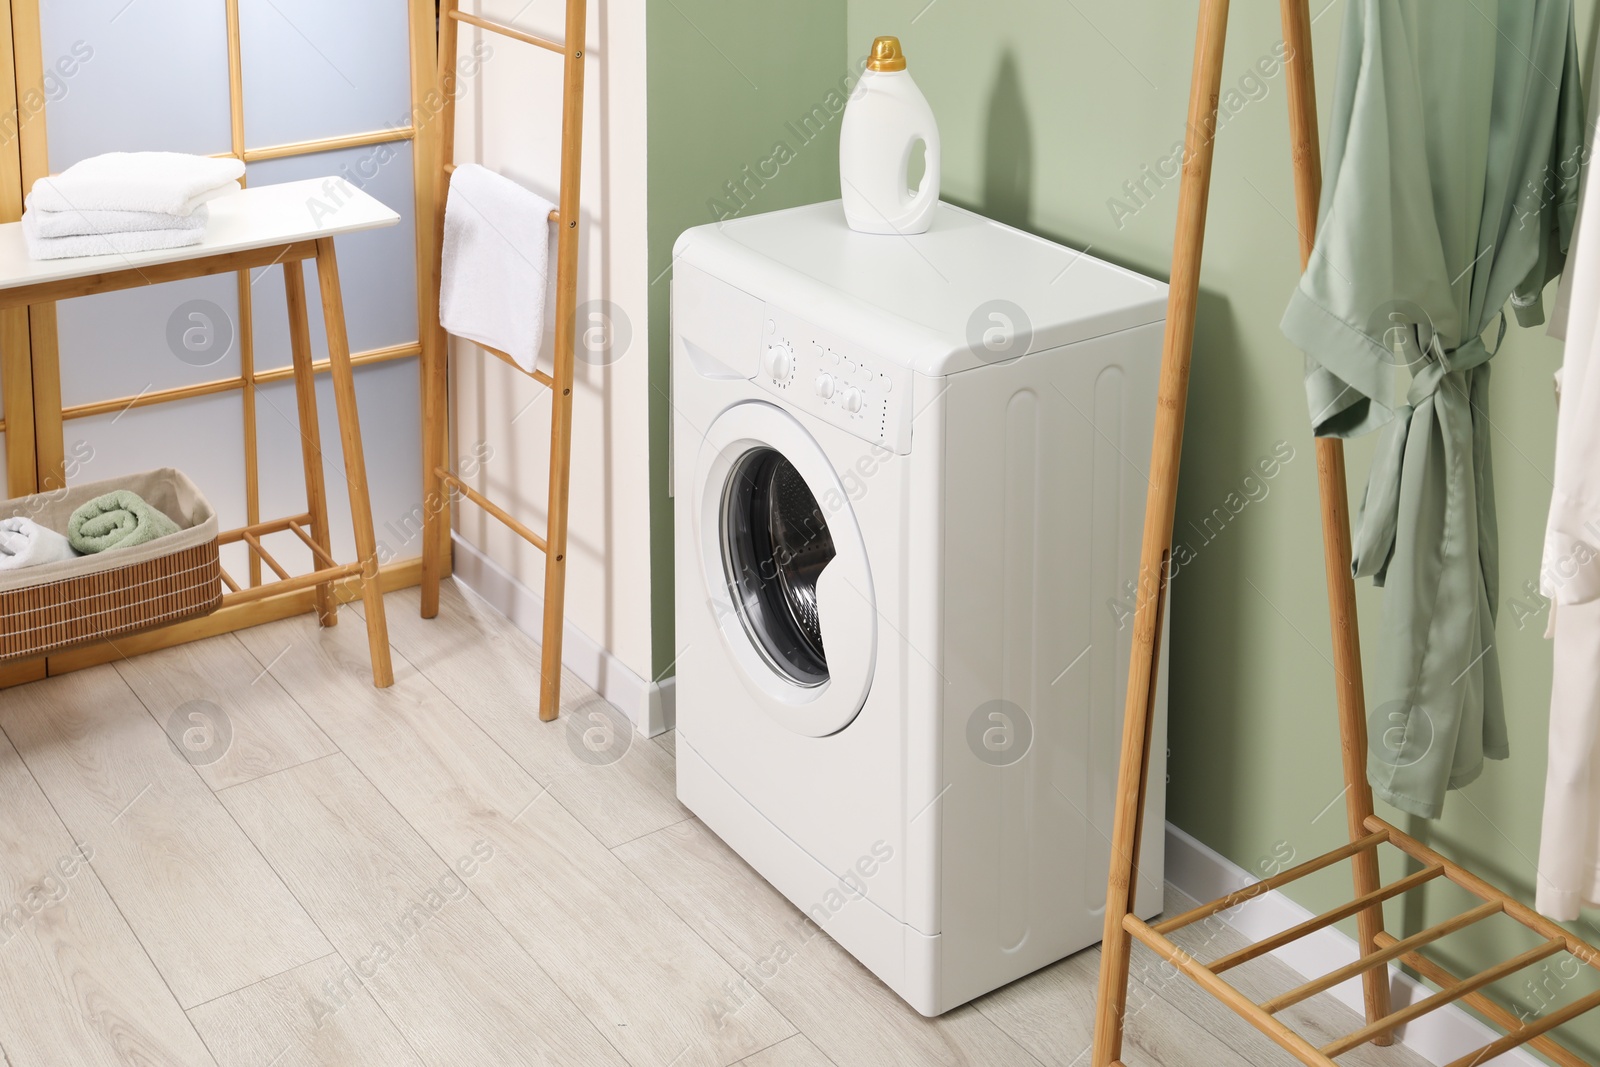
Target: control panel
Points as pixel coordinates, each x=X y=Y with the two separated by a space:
x=837 y=382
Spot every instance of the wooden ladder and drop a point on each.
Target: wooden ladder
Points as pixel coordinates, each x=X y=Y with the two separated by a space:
x=1367 y=832
x=440 y=483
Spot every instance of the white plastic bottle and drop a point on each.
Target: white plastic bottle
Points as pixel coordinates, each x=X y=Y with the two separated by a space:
x=886 y=118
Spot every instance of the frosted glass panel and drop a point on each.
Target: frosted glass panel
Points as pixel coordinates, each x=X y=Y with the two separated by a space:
x=203 y=437
x=377 y=269
x=317 y=69
x=147 y=339
x=146 y=75
x=388 y=399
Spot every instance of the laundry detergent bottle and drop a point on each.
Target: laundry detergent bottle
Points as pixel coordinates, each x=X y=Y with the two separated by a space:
x=885 y=120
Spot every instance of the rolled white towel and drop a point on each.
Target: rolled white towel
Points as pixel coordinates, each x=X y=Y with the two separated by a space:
x=169 y=182
x=24 y=543
x=103 y=244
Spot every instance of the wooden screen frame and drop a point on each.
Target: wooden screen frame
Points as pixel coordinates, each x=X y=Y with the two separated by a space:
x=16 y=370
x=34 y=416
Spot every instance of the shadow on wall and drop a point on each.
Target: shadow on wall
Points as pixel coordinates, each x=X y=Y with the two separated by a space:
x=1209 y=650
x=1008 y=150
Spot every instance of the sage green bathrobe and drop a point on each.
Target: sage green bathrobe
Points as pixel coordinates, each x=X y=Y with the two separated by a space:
x=1450 y=187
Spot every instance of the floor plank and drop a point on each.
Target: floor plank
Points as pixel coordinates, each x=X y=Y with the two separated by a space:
x=797 y=1051
x=491 y=670
x=654 y=951
x=438 y=964
x=553 y=885
x=849 y=1015
x=206 y=906
x=249 y=726
x=1052 y=1011
x=289 y=1021
x=76 y=987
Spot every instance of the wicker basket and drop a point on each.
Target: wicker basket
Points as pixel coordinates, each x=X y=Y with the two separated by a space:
x=110 y=594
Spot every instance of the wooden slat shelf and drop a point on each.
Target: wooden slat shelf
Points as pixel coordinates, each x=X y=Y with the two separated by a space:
x=1294 y=874
x=1452 y=989
x=250 y=536
x=1326 y=919
x=1390 y=952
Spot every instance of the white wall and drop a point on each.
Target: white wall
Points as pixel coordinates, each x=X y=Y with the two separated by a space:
x=509 y=119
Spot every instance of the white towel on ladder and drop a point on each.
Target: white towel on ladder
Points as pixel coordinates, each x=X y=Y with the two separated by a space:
x=496 y=263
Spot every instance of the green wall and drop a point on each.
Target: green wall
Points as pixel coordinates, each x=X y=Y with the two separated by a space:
x=730 y=89
x=1046 y=111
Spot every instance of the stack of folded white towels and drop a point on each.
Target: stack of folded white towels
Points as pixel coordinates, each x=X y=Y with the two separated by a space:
x=126 y=202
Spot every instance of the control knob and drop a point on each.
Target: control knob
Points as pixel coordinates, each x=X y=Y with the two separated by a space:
x=778 y=362
x=851 y=401
x=824 y=386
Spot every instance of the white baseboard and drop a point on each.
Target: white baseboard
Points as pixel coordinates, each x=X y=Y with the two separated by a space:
x=648 y=704
x=1440 y=1037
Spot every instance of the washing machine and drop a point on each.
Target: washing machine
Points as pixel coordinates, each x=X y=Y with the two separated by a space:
x=909 y=478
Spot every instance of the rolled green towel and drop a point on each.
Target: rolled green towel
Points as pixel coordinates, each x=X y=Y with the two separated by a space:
x=119 y=519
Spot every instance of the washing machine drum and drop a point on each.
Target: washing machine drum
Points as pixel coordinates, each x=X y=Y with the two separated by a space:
x=786 y=569
x=775 y=545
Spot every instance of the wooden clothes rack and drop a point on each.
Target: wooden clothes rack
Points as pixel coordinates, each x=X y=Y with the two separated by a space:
x=1367 y=832
x=437 y=476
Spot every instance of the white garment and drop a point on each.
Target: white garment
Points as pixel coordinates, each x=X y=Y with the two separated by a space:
x=24 y=543
x=103 y=244
x=80 y=223
x=1569 y=847
x=167 y=182
x=1561 y=308
x=496 y=263
x=1571 y=570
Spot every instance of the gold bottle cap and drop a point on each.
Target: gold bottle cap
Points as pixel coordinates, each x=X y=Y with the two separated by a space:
x=886 y=55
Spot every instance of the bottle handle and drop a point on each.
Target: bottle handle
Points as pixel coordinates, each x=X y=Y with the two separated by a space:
x=929 y=188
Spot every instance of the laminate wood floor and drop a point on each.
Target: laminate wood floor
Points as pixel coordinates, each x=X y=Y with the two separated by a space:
x=239 y=853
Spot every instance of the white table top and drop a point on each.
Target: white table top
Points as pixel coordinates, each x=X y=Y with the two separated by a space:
x=260 y=217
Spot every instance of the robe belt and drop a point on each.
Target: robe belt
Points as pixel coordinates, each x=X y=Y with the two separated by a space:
x=1379 y=518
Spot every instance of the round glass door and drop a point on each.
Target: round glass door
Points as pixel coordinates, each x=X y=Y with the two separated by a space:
x=775 y=546
x=787 y=584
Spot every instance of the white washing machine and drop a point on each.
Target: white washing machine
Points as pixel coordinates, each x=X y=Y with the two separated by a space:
x=910 y=476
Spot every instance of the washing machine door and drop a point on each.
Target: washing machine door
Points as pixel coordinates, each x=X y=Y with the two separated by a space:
x=786 y=569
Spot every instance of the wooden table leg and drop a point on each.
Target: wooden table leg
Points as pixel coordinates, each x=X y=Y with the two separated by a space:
x=49 y=443
x=16 y=373
x=355 y=464
x=305 y=395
